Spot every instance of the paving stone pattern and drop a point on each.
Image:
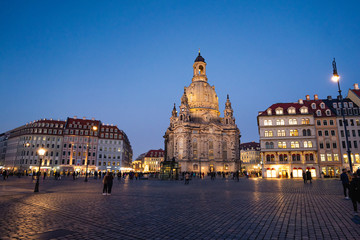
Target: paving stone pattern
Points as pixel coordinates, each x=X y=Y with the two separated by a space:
x=153 y=209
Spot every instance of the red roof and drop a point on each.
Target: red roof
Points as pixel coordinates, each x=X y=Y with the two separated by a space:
x=297 y=106
x=356 y=91
x=155 y=153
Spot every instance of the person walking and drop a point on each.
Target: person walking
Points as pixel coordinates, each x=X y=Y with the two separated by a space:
x=187 y=177
x=345 y=182
x=304 y=177
x=108 y=182
x=308 y=176
x=354 y=191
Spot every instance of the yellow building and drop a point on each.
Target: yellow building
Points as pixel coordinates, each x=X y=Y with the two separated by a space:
x=152 y=160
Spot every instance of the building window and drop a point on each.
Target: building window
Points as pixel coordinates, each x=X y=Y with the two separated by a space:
x=292 y=121
x=332 y=133
x=279 y=111
x=321 y=145
x=322 y=157
x=281 y=133
x=326 y=133
x=280 y=122
x=329 y=157
x=334 y=145
x=320 y=133
x=318 y=113
x=325 y=122
x=281 y=144
x=294 y=133
x=267 y=122
x=318 y=122
x=336 y=157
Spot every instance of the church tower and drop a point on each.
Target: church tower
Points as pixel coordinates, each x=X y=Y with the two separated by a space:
x=228 y=113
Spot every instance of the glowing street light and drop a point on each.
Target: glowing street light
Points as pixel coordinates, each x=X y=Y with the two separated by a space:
x=41 y=153
x=336 y=78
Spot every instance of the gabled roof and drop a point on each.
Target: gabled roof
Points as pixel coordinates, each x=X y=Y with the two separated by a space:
x=155 y=153
x=284 y=106
x=250 y=145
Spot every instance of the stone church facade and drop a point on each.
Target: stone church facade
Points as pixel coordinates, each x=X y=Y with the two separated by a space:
x=198 y=138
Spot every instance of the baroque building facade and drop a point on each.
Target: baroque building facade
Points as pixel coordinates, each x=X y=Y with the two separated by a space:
x=71 y=145
x=198 y=138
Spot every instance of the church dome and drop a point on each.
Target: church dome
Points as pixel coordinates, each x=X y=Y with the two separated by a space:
x=202 y=97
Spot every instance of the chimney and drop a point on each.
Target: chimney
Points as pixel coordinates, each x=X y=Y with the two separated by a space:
x=93 y=119
x=84 y=118
x=356 y=86
x=307 y=97
x=75 y=117
x=316 y=97
x=301 y=101
x=329 y=98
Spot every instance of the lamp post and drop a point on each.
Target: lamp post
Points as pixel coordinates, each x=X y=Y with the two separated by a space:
x=41 y=153
x=92 y=129
x=336 y=78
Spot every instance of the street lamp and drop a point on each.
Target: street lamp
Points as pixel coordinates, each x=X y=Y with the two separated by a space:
x=93 y=128
x=336 y=78
x=41 y=153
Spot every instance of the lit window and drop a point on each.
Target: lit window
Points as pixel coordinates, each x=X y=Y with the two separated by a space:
x=303 y=110
x=336 y=156
x=329 y=157
x=294 y=133
x=279 y=111
x=280 y=122
x=322 y=157
x=281 y=133
x=292 y=121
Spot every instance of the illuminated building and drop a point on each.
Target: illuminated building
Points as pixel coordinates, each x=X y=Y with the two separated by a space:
x=328 y=147
x=152 y=160
x=250 y=156
x=68 y=144
x=287 y=140
x=352 y=118
x=198 y=138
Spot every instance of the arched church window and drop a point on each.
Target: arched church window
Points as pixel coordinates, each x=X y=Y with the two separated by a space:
x=211 y=149
x=224 y=150
x=201 y=70
x=194 y=148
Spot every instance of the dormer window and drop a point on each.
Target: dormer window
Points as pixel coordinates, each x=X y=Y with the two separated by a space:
x=334 y=105
x=291 y=110
x=328 y=113
x=279 y=111
x=318 y=113
x=322 y=105
x=304 y=110
x=351 y=104
x=313 y=106
x=269 y=111
x=345 y=105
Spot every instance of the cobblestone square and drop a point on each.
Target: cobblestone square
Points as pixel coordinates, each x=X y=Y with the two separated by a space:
x=153 y=209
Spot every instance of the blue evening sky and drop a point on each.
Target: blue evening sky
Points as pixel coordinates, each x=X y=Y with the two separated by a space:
x=126 y=62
